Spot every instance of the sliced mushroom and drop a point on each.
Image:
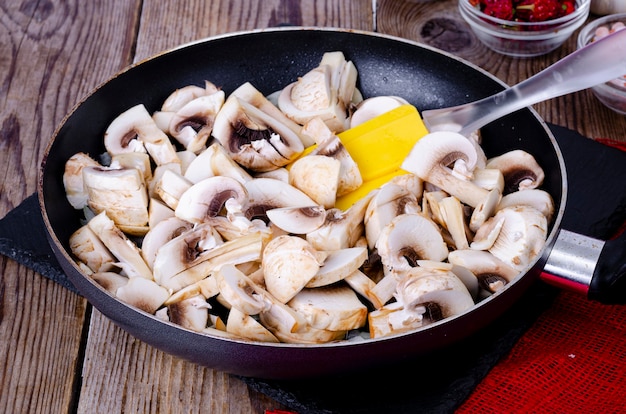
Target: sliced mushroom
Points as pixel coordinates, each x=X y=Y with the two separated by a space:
x=492 y=274
x=408 y=238
x=169 y=186
x=161 y=233
x=245 y=326
x=89 y=249
x=373 y=107
x=338 y=265
x=120 y=192
x=73 y=182
x=333 y=308
x=137 y=160
x=534 y=197
x=364 y=286
x=215 y=161
x=206 y=287
x=135 y=131
x=110 y=281
x=192 y=124
x=239 y=290
x=520 y=169
x=318 y=177
x=158 y=211
x=201 y=262
x=180 y=97
x=388 y=203
x=298 y=220
x=143 y=293
x=289 y=263
x=522 y=236
x=125 y=251
x=253 y=138
x=267 y=193
x=489 y=178
x=191 y=313
x=207 y=198
x=454 y=219
x=431 y=157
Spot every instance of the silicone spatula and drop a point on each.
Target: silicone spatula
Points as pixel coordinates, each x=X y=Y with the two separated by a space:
x=381 y=144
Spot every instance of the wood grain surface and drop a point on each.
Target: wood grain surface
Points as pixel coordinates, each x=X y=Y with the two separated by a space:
x=59 y=355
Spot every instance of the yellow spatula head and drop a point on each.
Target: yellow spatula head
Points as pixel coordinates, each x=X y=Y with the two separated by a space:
x=379 y=146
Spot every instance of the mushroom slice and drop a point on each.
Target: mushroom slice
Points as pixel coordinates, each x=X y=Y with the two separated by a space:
x=206 y=287
x=391 y=201
x=341 y=229
x=73 y=182
x=158 y=211
x=125 y=251
x=330 y=145
x=298 y=220
x=192 y=124
x=338 y=265
x=364 y=286
x=392 y=319
x=268 y=193
x=206 y=198
x=289 y=263
x=245 y=326
x=454 y=219
x=184 y=251
x=135 y=131
x=239 y=290
x=520 y=170
x=373 y=107
x=120 y=192
x=110 y=281
x=522 y=236
x=306 y=334
x=435 y=294
x=408 y=238
x=180 y=97
x=318 y=177
x=89 y=249
x=253 y=138
x=492 y=273
x=161 y=233
x=215 y=161
x=333 y=308
x=534 y=197
x=169 y=186
x=487 y=234
x=241 y=250
x=489 y=178
x=431 y=158
x=191 y=313
x=485 y=209
x=143 y=293
x=137 y=160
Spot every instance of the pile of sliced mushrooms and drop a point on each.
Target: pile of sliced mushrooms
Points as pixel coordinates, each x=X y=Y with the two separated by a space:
x=217 y=213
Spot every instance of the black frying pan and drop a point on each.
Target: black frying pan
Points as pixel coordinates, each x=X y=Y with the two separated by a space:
x=270 y=60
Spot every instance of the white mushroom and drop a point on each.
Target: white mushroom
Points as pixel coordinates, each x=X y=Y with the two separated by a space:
x=161 y=233
x=89 y=249
x=169 y=185
x=289 y=263
x=137 y=160
x=191 y=313
x=454 y=220
x=533 y=197
x=239 y=290
x=298 y=220
x=267 y=193
x=520 y=170
x=126 y=252
x=73 y=179
x=408 y=238
x=338 y=265
x=143 y=293
x=373 y=107
x=318 y=177
x=492 y=274
x=522 y=236
x=207 y=198
x=333 y=308
x=245 y=326
x=431 y=158
x=215 y=161
x=110 y=281
x=135 y=130
x=192 y=124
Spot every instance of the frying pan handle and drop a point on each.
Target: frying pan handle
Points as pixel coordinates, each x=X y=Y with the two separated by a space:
x=589 y=266
x=608 y=284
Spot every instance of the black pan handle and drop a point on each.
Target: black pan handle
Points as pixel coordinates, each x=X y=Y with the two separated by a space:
x=608 y=283
x=589 y=266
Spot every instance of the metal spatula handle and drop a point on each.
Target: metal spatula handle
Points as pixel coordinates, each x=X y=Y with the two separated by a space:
x=596 y=63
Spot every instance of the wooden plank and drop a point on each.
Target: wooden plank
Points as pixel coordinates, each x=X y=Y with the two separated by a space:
x=122 y=374
x=439 y=24
x=53 y=53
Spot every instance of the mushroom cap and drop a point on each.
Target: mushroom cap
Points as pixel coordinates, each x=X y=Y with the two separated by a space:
x=269 y=193
x=520 y=170
x=206 y=198
x=298 y=220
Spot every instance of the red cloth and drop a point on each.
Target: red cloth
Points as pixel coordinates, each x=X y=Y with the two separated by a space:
x=572 y=360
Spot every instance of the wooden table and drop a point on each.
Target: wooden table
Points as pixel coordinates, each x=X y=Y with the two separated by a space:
x=57 y=354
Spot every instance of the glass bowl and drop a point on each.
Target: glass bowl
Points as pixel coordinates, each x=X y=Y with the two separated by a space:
x=523 y=39
x=613 y=93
